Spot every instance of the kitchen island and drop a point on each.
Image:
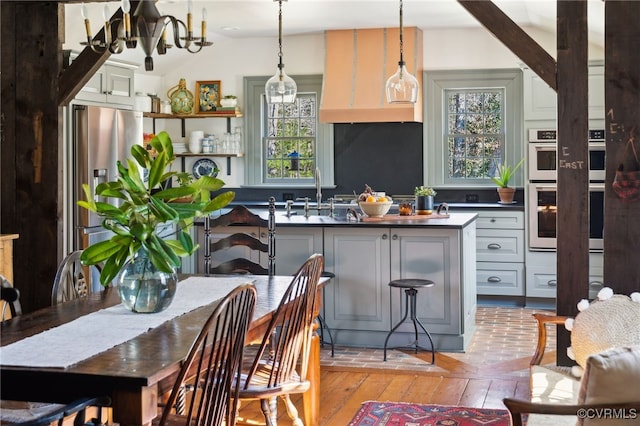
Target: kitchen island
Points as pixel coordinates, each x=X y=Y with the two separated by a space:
x=359 y=306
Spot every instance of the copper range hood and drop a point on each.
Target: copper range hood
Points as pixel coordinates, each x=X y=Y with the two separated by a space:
x=357 y=65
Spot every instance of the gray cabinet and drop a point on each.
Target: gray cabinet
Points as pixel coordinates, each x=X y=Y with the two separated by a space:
x=358 y=297
x=294 y=246
x=112 y=85
x=542 y=276
x=540 y=101
x=361 y=307
x=500 y=249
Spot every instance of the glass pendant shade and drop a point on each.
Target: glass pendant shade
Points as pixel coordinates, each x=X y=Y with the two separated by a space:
x=402 y=87
x=280 y=89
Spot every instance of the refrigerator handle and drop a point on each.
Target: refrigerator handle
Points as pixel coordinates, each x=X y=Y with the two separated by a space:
x=99 y=176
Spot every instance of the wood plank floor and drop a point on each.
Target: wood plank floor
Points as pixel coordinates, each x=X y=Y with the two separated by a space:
x=495 y=366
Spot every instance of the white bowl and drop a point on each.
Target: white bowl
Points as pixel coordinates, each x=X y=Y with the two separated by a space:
x=375 y=209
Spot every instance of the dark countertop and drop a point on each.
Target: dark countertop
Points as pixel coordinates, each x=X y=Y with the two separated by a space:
x=281 y=205
x=455 y=220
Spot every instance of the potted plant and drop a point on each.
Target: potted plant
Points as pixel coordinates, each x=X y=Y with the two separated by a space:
x=229 y=101
x=503 y=175
x=424 y=199
x=143 y=262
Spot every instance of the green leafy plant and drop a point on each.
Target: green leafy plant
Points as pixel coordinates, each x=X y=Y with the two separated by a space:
x=230 y=97
x=424 y=191
x=140 y=206
x=504 y=173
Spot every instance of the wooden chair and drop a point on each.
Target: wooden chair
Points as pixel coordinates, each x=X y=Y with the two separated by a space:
x=240 y=216
x=73 y=280
x=11 y=298
x=563 y=406
x=55 y=414
x=286 y=342
x=213 y=365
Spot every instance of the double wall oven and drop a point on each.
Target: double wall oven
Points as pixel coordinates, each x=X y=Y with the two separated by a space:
x=542 y=201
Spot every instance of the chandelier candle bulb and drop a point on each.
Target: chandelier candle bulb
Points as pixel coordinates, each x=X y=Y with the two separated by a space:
x=87 y=24
x=204 y=23
x=126 y=8
x=106 y=13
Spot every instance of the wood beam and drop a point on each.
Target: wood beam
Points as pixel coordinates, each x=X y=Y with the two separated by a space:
x=84 y=66
x=512 y=36
x=622 y=104
x=572 y=196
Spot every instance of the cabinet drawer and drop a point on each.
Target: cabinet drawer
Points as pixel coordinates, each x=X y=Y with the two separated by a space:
x=500 y=245
x=500 y=279
x=491 y=219
x=542 y=282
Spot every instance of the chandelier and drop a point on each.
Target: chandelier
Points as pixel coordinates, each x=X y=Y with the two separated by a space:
x=280 y=88
x=402 y=87
x=148 y=28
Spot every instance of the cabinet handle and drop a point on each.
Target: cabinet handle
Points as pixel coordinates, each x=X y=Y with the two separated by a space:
x=596 y=284
x=494 y=246
x=494 y=279
x=552 y=283
x=263 y=235
x=395 y=237
x=384 y=236
x=493 y=220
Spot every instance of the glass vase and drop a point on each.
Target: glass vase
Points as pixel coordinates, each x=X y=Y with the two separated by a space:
x=143 y=288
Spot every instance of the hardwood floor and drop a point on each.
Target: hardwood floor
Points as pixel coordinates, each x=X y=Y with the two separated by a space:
x=495 y=366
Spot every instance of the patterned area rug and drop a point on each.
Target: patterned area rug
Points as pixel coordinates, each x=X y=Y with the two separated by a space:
x=404 y=414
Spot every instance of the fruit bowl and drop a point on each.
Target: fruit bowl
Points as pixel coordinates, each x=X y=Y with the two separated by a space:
x=375 y=208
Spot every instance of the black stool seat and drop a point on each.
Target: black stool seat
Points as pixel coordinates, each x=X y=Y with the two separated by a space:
x=411 y=286
x=411 y=283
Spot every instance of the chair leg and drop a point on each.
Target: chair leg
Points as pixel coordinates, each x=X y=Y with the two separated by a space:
x=292 y=411
x=265 y=404
x=406 y=313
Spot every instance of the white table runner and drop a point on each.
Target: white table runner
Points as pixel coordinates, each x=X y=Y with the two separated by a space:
x=99 y=331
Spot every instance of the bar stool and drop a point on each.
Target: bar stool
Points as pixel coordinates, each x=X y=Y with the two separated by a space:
x=323 y=325
x=411 y=286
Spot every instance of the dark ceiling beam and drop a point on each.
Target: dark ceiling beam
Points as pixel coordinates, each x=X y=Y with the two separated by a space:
x=512 y=36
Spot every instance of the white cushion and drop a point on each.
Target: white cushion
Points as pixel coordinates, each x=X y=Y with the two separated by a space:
x=612 y=376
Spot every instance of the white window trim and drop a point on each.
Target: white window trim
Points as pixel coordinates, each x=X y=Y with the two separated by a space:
x=254 y=161
x=435 y=84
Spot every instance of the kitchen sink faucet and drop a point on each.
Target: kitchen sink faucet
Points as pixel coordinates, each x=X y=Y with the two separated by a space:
x=318 y=189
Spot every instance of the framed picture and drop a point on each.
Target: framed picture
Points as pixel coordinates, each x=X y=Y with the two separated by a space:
x=208 y=94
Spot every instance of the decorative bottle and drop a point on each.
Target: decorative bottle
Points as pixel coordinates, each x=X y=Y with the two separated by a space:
x=181 y=98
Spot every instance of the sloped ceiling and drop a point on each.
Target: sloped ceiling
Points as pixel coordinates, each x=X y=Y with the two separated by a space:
x=259 y=18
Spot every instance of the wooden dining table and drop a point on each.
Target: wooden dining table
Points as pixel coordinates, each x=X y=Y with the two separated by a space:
x=135 y=373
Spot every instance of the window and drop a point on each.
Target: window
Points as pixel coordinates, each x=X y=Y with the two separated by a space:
x=474 y=134
x=290 y=138
x=474 y=124
x=285 y=143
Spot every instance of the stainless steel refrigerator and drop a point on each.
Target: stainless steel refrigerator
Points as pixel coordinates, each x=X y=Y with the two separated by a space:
x=101 y=136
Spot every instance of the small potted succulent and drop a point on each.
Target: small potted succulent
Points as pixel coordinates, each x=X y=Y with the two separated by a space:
x=424 y=199
x=502 y=177
x=229 y=101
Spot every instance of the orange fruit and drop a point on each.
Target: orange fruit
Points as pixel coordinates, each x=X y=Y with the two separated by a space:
x=382 y=200
x=371 y=199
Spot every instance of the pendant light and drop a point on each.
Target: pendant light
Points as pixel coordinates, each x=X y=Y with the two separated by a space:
x=280 y=88
x=402 y=87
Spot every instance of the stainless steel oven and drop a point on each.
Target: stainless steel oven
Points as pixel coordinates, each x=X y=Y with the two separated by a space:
x=543 y=157
x=542 y=216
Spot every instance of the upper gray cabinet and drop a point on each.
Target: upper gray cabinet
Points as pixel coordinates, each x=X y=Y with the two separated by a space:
x=540 y=99
x=110 y=85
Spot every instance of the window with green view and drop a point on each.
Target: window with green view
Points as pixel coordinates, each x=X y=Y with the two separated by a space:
x=473 y=123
